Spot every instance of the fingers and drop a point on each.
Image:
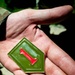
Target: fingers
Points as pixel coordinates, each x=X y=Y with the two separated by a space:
x=19 y=72
x=61 y=59
x=52 y=69
x=50 y=15
x=37 y=74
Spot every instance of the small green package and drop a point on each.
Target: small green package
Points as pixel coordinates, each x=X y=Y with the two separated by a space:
x=28 y=57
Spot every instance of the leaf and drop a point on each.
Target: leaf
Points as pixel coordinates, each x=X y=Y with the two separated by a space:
x=57 y=29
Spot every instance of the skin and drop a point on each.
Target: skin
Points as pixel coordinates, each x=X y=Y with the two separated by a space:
x=24 y=24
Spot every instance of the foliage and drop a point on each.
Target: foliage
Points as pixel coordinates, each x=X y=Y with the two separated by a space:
x=12 y=4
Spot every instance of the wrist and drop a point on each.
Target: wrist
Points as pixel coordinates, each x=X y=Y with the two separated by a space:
x=3 y=18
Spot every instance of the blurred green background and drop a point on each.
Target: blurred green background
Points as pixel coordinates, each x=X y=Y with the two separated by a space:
x=61 y=33
x=15 y=5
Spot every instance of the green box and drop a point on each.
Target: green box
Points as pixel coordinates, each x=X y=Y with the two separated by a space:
x=28 y=57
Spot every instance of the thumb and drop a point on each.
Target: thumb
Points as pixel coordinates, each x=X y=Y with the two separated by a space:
x=47 y=16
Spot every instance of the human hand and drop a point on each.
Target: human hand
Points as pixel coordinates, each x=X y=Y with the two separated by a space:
x=24 y=24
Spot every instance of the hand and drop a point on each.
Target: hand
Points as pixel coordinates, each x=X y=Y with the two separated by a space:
x=24 y=24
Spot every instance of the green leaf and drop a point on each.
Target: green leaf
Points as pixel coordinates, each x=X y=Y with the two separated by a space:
x=56 y=29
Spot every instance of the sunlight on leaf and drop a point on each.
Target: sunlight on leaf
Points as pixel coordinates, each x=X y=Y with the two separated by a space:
x=57 y=29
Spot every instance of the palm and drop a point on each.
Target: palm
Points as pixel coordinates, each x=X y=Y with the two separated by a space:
x=25 y=25
x=30 y=31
